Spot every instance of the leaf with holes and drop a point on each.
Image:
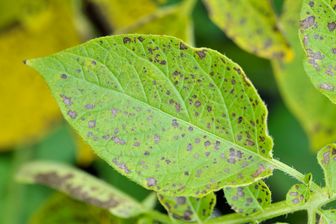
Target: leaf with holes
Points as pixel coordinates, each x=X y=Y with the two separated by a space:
x=328 y=216
x=80 y=186
x=298 y=194
x=306 y=103
x=189 y=209
x=62 y=209
x=160 y=22
x=251 y=24
x=179 y=120
x=249 y=199
x=318 y=33
x=327 y=159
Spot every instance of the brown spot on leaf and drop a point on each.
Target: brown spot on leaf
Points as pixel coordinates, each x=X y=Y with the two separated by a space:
x=307 y=22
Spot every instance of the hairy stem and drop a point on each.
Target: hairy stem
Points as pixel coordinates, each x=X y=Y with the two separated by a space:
x=159 y=216
x=273 y=210
x=294 y=173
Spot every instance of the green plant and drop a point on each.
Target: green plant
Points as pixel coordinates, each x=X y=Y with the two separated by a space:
x=183 y=122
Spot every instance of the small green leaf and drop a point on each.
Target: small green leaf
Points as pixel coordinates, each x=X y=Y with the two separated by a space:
x=327 y=160
x=298 y=194
x=80 y=186
x=179 y=120
x=189 y=209
x=251 y=24
x=249 y=199
x=306 y=102
x=328 y=216
x=62 y=209
x=318 y=33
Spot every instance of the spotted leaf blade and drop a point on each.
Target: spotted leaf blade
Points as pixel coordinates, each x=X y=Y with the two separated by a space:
x=298 y=194
x=179 y=120
x=328 y=216
x=249 y=199
x=251 y=24
x=62 y=209
x=189 y=209
x=318 y=33
x=80 y=186
x=327 y=160
x=306 y=102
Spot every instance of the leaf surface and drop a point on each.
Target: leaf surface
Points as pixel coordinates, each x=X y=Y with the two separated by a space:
x=306 y=103
x=179 y=120
x=189 y=209
x=251 y=24
x=80 y=186
x=298 y=194
x=318 y=33
x=327 y=160
x=249 y=199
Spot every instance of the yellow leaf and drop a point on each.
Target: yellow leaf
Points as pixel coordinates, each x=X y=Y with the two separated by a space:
x=123 y=13
x=160 y=22
x=251 y=24
x=27 y=107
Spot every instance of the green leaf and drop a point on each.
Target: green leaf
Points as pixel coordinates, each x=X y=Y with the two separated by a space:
x=306 y=103
x=327 y=160
x=62 y=209
x=189 y=209
x=179 y=120
x=328 y=216
x=80 y=186
x=318 y=33
x=298 y=194
x=251 y=24
x=120 y=14
x=160 y=22
x=249 y=199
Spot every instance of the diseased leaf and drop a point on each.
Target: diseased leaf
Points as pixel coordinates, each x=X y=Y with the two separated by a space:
x=27 y=108
x=251 y=24
x=175 y=119
x=189 y=209
x=306 y=103
x=298 y=194
x=249 y=199
x=123 y=13
x=327 y=160
x=62 y=209
x=328 y=216
x=160 y=22
x=80 y=186
x=318 y=33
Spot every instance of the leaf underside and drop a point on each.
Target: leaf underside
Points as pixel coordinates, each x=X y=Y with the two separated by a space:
x=189 y=209
x=328 y=216
x=249 y=199
x=175 y=119
x=327 y=160
x=80 y=186
x=318 y=33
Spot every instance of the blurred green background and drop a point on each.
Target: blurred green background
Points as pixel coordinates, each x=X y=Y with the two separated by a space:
x=32 y=128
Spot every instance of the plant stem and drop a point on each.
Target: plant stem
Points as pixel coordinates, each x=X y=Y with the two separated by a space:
x=273 y=210
x=159 y=216
x=311 y=216
x=294 y=173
